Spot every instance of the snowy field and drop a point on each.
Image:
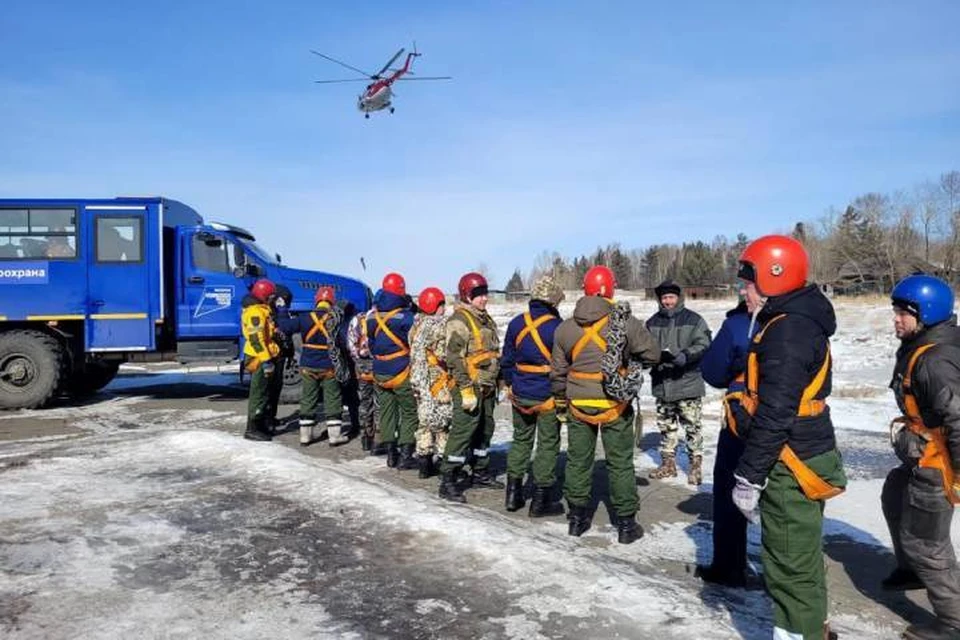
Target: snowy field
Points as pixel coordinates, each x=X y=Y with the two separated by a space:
x=145 y=516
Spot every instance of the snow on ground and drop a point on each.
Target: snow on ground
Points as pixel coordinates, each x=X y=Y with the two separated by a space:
x=154 y=526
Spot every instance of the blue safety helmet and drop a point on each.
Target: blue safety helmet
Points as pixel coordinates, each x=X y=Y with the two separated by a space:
x=929 y=298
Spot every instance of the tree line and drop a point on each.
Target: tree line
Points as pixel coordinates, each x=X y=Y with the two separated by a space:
x=864 y=247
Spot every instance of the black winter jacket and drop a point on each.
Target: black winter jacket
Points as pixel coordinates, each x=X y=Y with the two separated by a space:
x=789 y=357
x=679 y=329
x=936 y=380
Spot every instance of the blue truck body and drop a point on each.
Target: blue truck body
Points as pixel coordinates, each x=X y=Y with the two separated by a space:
x=119 y=279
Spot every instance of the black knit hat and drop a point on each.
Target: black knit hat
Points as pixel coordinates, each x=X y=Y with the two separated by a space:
x=667 y=286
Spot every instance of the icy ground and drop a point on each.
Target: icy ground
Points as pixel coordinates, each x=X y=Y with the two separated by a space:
x=152 y=519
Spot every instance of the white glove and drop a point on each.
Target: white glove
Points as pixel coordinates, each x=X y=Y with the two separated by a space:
x=746 y=496
x=279 y=303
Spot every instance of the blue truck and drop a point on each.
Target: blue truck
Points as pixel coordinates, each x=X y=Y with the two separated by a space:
x=88 y=284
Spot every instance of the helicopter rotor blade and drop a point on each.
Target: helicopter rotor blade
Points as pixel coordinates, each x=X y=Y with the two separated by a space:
x=392 y=60
x=426 y=78
x=338 y=81
x=342 y=64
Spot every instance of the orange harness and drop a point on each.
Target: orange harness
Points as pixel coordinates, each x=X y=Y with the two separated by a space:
x=480 y=355
x=935 y=453
x=444 y=380
x=591 y=335
x=813 y=486
x=318 y=327
x=402 y=350
x=532 y=328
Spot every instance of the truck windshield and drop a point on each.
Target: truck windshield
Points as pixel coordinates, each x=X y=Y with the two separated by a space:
x=257 y=250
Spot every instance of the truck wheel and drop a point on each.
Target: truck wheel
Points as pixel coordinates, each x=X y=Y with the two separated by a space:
x=92 y=377
x=30 y=364
x=290 y=394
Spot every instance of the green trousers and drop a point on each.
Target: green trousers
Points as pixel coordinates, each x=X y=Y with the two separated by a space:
x=398 y=413
x=258 y=399
x=792 y=547
x=546 y=428
x=310 y=395
x=470 y=434
x=618 y=449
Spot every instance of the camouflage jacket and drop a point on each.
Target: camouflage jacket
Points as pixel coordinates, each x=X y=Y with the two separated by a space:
x=473 y=348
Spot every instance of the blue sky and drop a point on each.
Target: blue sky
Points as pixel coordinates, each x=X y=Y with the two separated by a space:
x=568 y=124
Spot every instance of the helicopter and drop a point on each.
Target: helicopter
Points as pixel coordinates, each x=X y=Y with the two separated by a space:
x=379 y=94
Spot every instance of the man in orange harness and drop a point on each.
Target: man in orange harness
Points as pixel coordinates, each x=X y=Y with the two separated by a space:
x=473 y=358
x=790 y=463
x=578 y=384
x=319 y=332
x=525 y=368
x=430 y=380
x=919 y=496
x=388 y=330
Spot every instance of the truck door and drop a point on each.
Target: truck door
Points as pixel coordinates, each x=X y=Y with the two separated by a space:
x=214 y=285
x=118 y=274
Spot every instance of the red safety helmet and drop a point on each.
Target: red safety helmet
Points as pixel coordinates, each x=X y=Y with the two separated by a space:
x=599 y=281
x=430 y=300
x=263 y=289
x=324 y=294
x=472 y=285
x=395 y=284
x=776 y=264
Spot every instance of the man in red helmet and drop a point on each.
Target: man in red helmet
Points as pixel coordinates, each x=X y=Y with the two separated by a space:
x=473 y=358
x=591 y=353
x=430 y=380
x=388 y=332
x=322 y=369
x=790 y=463
x=259 y=354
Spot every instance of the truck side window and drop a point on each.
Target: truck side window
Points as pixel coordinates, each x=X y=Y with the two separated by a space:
x=215 y=253
x=119 y=239
x=30 y=234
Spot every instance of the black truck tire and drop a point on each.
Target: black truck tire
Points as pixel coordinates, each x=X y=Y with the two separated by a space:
x=292 y=382
x=92 y=377
x=30 y=367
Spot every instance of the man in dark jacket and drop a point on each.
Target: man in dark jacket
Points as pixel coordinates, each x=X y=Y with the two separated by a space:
x=683 y=336
x=387 y=331
x=919 y=496
x=525 y=368
x=723 y=366
x=790 y=463
x=285 y=342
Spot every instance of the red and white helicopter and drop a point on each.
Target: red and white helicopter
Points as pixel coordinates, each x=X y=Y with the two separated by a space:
x=378 y=95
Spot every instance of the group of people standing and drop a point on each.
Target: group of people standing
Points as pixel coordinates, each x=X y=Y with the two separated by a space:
x=428 y=384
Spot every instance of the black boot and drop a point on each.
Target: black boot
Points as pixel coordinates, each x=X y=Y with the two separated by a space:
x=393 y=454
x=449 y=489
x=486 y=479
x=578 y=520
x=718 y=575
x=366 y=443
x=513 y=500
x=257 y=429
x=935 y=630
x=628 y=530
x=379 y=449
x=543 y=503
x=427 y=468
x=407 y=458
x=901 y=580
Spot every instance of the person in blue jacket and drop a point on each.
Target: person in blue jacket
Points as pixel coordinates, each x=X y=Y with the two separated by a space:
x=722 y=367
x=525 y=368
x=388 y=331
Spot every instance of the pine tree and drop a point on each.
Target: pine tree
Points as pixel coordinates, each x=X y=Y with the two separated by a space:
x=516 y=282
